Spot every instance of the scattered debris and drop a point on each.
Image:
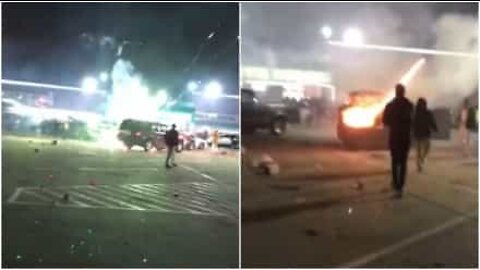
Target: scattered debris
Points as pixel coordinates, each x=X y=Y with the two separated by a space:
x=36 y=150
x=358 y=185
x=54 y=142
x=265 y=164
x=350 y=210
x=271 y=169
x=175 y=195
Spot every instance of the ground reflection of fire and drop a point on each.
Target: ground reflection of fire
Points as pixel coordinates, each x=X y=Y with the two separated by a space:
x=364 y=112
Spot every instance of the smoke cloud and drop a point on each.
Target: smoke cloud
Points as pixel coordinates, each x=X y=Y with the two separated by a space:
x=286 y=35
x=453 y=79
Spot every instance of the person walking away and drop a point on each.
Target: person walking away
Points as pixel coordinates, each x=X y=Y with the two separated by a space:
x=471 y=130
x=171 y=140
x=398 y=118
x=423 y=125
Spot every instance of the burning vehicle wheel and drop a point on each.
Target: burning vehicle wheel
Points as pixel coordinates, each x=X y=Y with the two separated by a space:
x=279 y=126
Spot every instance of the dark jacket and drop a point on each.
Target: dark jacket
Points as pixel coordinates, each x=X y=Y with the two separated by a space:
x=171 y=137
x=398 y=117
x=423 y=124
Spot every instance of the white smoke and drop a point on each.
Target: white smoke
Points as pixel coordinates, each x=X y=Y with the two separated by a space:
x=290 y=31
x=453 y=79
x=130 y=98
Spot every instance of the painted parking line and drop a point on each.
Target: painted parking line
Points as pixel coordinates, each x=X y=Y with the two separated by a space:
x=181 y=198
x=364 y=260
x=14 y=195
x=122 y=169
x=206 y=176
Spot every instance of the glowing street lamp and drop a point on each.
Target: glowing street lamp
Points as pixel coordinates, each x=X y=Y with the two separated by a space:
x=192 y=86
x=353 y=37
x=89 y=85
x=213 y=90
x=326 y=31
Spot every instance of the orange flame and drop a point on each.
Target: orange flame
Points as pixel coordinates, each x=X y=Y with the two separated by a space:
x=364 y=115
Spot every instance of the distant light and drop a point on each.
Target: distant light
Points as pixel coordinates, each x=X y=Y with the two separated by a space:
x=104 y=77
x=326 y=32
x=213 y=90
x=89 y=85
x=353 y=37
x=192 y=86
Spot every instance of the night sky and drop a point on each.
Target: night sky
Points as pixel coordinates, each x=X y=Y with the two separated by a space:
x=62 y=43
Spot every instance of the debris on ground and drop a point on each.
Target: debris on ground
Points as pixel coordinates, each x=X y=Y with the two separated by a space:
x=358 y=185
x=265 y=164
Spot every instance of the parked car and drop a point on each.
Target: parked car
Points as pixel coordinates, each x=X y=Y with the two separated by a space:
x=256 y=115
x=145 y=134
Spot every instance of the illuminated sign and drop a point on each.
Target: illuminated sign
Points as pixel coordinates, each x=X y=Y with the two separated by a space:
x=285 y=75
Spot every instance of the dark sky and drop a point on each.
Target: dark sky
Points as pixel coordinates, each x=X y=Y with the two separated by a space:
x=61 y=43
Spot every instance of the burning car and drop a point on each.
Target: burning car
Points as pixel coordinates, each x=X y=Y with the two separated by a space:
x=360 y=119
